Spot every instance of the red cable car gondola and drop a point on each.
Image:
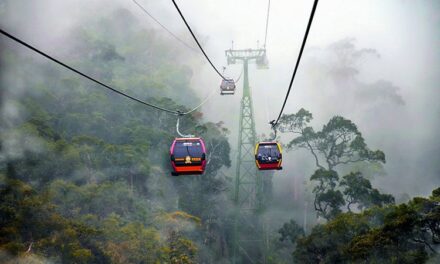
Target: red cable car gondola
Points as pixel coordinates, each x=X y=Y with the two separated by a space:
x=268 y=156
x=188 y=156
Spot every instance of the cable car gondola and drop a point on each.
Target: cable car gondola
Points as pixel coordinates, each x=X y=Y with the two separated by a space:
x=262 y=62
x=227 y=87
x=268 y=156
x=188 y=156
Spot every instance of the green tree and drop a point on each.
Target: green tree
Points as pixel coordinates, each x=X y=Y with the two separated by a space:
x=406 y=233
x=29 y=223
x=338 y=143
x=328 y=200
x=358 y=190
x=91 y=157
x=291 y=231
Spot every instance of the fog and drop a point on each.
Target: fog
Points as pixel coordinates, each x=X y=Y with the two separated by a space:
x=406 y=37
x=404 y=33
x=393 y=94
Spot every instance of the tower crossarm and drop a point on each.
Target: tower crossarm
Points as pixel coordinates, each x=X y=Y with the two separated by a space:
x=244 y=54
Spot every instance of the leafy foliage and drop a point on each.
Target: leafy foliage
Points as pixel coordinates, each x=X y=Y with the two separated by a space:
x=328 y=199
x=339 y=141
x=406 y=233
x=30 y=221
x=85 y=174
x=358 y=191
x=291 y=231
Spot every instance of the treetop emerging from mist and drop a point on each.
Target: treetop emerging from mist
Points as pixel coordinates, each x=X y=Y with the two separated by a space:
x=339 y=141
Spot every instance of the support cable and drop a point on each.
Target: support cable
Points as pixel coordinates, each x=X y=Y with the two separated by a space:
x=236 y=79
x=274 y=123
x=239 y=77
x=267 y=24
x=200 y=105
x=84 y=75
x=175 y=112
x=195 y=39
x=165 y=28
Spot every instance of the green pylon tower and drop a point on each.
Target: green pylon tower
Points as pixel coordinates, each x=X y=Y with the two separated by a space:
x=248 y=244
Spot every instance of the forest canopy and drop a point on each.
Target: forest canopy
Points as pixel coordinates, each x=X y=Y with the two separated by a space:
x=85 y=173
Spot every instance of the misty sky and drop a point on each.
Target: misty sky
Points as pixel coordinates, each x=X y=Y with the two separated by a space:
x=405 y=33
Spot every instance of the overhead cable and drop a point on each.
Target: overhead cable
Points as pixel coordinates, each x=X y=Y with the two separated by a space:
x=239 y=76
x=196 y=40
x=267 y=23
x=87 y=76
x=200 y=105
x=312 y=14
x=165 y=28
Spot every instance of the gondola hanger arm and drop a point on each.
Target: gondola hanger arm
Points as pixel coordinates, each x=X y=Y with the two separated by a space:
x=178 y=131
x=274 y=128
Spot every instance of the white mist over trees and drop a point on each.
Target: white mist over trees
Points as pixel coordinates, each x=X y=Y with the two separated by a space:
x=84 y=174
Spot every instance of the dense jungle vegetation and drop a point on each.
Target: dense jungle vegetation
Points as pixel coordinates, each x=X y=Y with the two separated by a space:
x=85 y=176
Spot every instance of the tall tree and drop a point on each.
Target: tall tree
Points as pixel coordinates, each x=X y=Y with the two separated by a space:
x=338 y=143
x=328 y=199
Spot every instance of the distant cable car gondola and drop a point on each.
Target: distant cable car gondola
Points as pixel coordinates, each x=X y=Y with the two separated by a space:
x=262 y=62
x=227 y=87
x=268 y=156
x=188 y=156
